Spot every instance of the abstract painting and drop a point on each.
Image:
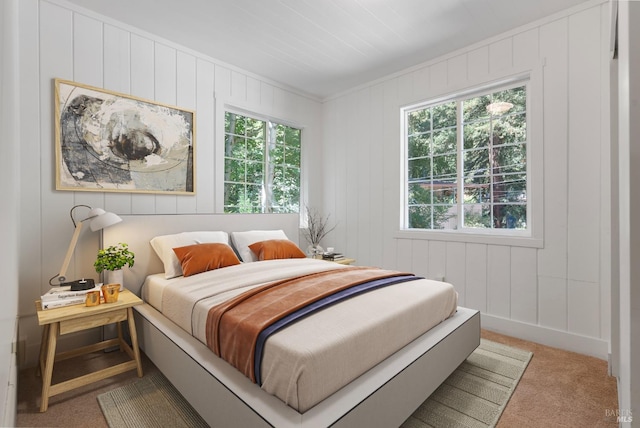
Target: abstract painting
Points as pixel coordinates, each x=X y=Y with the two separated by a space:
x=111 y=142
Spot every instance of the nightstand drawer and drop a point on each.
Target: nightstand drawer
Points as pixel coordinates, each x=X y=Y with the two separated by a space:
x=97 y=320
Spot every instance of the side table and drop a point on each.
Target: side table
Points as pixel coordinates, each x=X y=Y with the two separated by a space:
x=345 y=261
x=69 y=319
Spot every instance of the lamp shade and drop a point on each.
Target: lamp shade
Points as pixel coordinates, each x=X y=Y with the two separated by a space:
x=103 y=220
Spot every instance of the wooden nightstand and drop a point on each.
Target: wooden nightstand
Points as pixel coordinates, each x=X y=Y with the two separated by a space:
x=344 y=261
x=69 y=319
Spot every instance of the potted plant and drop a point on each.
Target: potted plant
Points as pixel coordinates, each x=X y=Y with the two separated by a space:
x=111 y=260
x=317 y=228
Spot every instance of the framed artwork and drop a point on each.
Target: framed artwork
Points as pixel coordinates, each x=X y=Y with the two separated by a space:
x=111 y=142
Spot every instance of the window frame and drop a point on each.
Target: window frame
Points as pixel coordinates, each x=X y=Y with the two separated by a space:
x=533 y=235
x=222 y=108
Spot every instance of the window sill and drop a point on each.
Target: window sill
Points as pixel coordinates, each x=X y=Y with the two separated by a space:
x=469 y=237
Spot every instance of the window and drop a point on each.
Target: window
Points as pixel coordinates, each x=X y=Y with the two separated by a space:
x=466 y=163
x=262 y=166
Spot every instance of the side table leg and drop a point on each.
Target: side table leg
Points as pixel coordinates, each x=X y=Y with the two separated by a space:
x=48 y=370
x=134 y=339
x=43 y=350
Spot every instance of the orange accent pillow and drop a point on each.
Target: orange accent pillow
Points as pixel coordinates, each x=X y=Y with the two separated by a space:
x=200 y=258
x=276 y=249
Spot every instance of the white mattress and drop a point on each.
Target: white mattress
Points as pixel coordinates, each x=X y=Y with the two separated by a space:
x=311 y=359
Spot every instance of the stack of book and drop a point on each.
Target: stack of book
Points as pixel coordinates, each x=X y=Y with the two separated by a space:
x=332 y=256
x=61 y=296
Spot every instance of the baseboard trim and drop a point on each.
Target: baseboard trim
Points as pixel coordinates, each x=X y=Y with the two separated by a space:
x=547 y=336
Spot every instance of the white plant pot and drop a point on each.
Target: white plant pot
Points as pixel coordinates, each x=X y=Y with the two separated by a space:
x=114 y=277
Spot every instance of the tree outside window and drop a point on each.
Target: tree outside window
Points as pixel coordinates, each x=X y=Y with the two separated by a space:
x=466 y=162
x=262 y=166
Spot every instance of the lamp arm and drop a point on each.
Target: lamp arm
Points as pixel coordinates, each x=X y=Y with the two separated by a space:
x=67 y=259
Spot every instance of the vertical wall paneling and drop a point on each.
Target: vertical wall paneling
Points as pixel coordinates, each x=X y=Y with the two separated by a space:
x=266 y=95
x=476 y=278
x=223 y=82
x=438 y=77
x=364 y=188
x=238 y=86
x=437 y=260
x=143 y=86
x=457 y=70
x=31 y=257
x=552 y=302
x=391 y=171
x=478 y=63
x=554 y=49
x=405 y=255
x=525 y=48
x=455 y=269
x=186 y=97
x=420 y=258
x=536 y=287
x=56 y=60
x=205 y=164
x=117 y=77
x=117 y=59
x=338 y=148
x=499 y=281
x=421 y=84
x=87 y=44
x=584 y=308
x=253 y=91
x=351 y=133
x=376 y=178
x=501 y=55
x=330 y=180
x=606 y=206
x=165 y=91
x=524 y=285
x=406 y=92
x=584 y=146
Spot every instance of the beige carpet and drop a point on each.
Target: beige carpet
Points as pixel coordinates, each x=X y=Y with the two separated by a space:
x=473 y=396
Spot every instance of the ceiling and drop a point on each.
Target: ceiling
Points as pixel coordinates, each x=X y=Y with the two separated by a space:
x=323 y=47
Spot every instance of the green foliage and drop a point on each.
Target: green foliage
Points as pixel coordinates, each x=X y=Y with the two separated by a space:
x=494 y=164
x=114 y=257
x=262 y=166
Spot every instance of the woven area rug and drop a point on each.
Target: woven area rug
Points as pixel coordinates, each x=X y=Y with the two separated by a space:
x=476 y=394
x=473 y=396
x=149 y=402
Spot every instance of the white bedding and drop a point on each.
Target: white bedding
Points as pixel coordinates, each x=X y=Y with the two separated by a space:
x=298 y=359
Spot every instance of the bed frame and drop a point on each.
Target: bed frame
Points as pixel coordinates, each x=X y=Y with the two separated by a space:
x=384 y=396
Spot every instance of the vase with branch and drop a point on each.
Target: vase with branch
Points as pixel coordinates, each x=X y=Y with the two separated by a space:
x=317 y=228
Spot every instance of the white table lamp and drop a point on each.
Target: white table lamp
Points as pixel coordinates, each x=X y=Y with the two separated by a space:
x=98 y=219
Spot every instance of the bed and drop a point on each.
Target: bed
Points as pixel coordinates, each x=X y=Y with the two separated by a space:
x=384 y=395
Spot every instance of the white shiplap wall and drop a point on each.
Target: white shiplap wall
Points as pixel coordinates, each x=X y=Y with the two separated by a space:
x=557 y=294
x=60 y=40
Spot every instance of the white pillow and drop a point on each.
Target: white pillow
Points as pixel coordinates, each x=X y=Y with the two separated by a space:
x=242 y=240
x=164 y=245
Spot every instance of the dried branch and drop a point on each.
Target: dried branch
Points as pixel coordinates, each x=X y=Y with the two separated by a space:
x=317 y=226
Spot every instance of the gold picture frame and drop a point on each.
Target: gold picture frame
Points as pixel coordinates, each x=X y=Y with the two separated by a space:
x=111 y=142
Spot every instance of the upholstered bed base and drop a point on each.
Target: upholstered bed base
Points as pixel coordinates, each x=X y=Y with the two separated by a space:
x=383 y=397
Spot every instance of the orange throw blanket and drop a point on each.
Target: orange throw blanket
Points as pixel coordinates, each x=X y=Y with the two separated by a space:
x=233 y=327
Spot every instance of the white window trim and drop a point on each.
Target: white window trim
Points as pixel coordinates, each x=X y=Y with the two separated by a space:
x=221 y=107
x=533 y=237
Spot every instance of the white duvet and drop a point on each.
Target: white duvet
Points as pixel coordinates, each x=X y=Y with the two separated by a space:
x=313 y=358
